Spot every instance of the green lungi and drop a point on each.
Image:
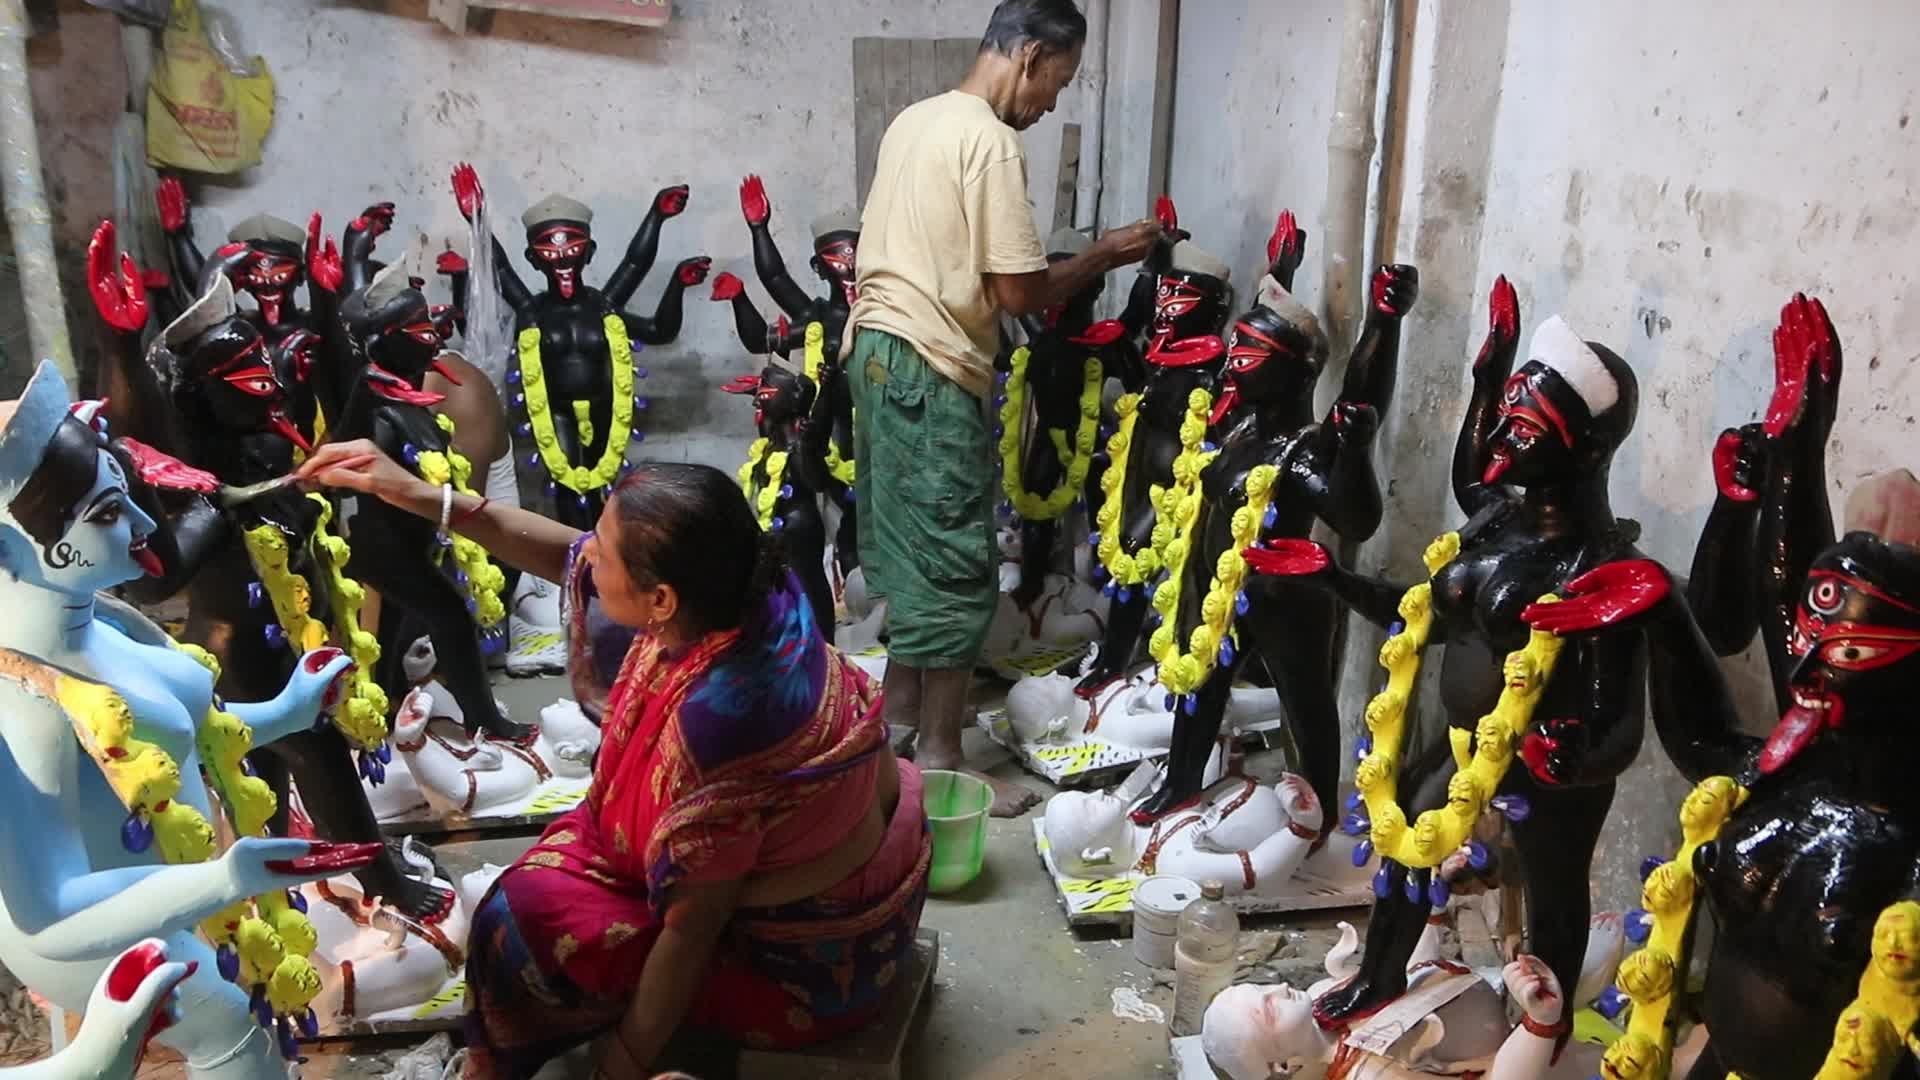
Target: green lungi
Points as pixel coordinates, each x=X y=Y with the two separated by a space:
x=925 y=491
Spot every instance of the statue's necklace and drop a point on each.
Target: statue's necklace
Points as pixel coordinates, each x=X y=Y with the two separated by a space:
x=1076 y=458
x=579 y=478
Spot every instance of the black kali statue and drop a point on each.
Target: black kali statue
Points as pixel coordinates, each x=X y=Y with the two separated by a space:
x=227 y=416
x=1063 y=371
x=1828 y=836
x=1531 y=472
x=1261 y=420
x=836 y=245
x=577 y=345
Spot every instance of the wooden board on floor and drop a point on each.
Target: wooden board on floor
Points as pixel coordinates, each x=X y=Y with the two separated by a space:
x=1326 y=881
x=874 y=1053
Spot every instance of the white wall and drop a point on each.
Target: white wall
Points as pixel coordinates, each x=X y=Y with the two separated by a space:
x=377 y=102
x=1665 y=175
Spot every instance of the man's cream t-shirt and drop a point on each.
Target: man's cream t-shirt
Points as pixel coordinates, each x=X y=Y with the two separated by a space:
x=948 y=204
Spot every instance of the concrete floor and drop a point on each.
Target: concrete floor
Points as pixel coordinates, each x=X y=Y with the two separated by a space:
x=1017 y=994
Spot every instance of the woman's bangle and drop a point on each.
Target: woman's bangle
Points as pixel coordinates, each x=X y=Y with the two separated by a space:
x=446 y=506
x=467 y=515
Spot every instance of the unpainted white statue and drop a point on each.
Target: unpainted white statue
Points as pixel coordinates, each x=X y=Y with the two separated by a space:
x=1241 y=833
x=472 y=774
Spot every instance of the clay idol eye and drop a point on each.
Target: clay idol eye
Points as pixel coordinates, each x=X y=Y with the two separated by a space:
x=1825 y=596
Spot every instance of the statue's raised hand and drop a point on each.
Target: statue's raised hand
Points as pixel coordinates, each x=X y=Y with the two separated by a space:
x=467 y=191
x=1605 y=596
x=449 y=263
x=375 y=219
x=753 y=202
x=693 y=271
x=1395 y=288
x=256 y=865
x=1286 y=249
x=1806 y=361
x=727 y=288
x=171 y=200
x=671 y=201
x=1503 y=329
x=1740 y=459
x=324 y=268
x=1287 y=557
x=119 y=292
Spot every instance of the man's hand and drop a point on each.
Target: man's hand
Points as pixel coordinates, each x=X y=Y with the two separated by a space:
x=1128 y=245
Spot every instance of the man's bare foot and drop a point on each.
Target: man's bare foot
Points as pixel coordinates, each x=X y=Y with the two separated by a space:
x=1010 y=799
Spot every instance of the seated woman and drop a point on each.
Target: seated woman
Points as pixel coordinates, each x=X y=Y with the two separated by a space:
x=751 y=858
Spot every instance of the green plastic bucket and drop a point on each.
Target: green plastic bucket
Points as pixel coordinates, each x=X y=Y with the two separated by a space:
x=957 y=806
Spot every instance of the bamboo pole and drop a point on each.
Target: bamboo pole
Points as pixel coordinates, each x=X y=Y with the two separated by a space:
x=25 y=193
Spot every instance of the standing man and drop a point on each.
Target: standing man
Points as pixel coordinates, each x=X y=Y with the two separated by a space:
x=947 y=245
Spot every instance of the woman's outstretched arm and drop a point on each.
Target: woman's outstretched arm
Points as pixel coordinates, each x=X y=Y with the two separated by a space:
x=520 y=538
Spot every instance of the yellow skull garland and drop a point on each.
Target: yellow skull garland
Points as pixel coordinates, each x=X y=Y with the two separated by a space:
x=268 y=936
x=1440 y=832
x=1131 y=570
x=1076 y=459
x=1127 y=571
x=846 y=472
x=1870 y=1035
x=764 y=498
x=1212 y=642
x=1650 y=976
x=483 y=581
x=362 y=715
x=579 y=478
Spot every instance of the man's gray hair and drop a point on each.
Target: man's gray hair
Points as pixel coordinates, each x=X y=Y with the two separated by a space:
x=1057 y=25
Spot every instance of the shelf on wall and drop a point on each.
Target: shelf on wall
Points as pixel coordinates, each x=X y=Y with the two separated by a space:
x=452 y=14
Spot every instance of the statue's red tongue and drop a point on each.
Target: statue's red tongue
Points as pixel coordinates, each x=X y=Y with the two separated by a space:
x=1794 y=731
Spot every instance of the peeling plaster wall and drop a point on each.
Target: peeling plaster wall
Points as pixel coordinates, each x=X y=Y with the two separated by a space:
x=377 y=102
x=1664 y=183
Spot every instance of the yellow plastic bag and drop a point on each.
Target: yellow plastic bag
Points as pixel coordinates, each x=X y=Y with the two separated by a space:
x=201 y=116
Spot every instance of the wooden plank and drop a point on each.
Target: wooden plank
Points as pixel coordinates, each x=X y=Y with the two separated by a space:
x=923 y=73
x=1066 y=190
x=451 y=14
x=954 y=59
x=630 y=12
x=869 y=107
x=896 y=78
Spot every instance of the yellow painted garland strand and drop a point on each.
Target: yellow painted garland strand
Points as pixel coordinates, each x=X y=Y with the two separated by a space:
x=765 y=499
x=1184 y=672
x=1077 y=458
x=846 y=472
x=1438 y=833
x=1130 y=570
x=1879 y=1023
x=579 y=478
x=361 y=716
x=1126 y=570
x=485 y=581
x=1651 y=976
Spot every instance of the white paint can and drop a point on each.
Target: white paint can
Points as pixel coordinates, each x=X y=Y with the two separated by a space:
x=1157 y=904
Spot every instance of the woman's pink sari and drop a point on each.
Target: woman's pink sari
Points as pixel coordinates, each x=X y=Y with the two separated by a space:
x=753 y=749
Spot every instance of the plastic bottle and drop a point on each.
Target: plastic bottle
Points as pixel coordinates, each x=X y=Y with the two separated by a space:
x=1203 y=956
